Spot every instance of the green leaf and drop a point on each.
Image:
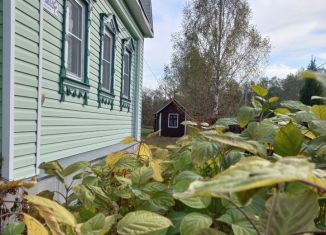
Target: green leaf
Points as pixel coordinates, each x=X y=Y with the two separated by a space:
x=84 y=195
x=98 y=225
x=263 y=132
x=288 y=140
x=127 y=163
x=193 y=222
x=259 y=90
x=154 y=187
x=318 y=126
x=292 y=213
x=235 y=142
x=53 y=168
x=141 y=175
x=16 y=228
x=176 y=217
x=142 y=222
x=246 y=114
x=252 y=173
x=159 y=201
x=182 y=161
x=303 y=116
x=196 y=202
x=240 y=225
x=74 y=168
x=295 y=105
x=202 y=151
x=231 y=158
x=208 y=231
x=319 y=111
x=226 y=122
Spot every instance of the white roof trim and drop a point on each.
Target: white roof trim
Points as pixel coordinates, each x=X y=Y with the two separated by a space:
x=140 y=17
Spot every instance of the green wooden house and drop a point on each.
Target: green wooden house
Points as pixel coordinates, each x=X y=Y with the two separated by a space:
x=71 y=78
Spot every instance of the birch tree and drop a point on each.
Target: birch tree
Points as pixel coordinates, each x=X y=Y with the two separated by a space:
x=227 y=46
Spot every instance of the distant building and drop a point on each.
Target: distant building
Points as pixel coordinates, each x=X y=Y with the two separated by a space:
x=169 y=118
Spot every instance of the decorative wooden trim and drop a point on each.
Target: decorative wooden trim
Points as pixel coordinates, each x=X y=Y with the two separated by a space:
x=8 y=95
x=129 y=46
x=125 y=103
x=107 y=21
x=69 y=86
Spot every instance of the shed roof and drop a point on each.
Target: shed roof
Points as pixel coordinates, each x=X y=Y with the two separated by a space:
x=168 y=103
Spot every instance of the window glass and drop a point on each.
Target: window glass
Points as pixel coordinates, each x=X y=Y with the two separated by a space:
x=107 y=61
x=75 y=38
x=126 y=75
x=173 y=120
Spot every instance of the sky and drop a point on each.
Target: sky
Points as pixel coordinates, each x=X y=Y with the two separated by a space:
x=296 y=30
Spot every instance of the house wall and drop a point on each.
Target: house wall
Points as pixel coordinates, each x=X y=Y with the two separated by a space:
x=68 y=128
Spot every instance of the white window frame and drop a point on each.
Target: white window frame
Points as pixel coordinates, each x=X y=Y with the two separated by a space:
x=83 y=40
x=110 y=78
x=126 y=52
x=175 y=114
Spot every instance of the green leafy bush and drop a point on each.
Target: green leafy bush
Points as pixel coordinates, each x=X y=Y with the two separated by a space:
x=268 y=179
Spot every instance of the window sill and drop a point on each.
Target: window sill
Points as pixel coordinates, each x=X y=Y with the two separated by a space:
x=72 y=87
x=105 y=97
x=125 y=103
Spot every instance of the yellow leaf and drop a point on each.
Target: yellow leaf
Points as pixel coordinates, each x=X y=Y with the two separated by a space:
x=259 y=90
x=127 y=140
x=281 y=111
x=308 y=74
x=319 y=111
x=50 y=220
x=33 y=226
x=157 y=170
x=112 y=158
x=144 y=152
x=5 y=185
x=308 y=134
x=59 y=212
x=273 y=99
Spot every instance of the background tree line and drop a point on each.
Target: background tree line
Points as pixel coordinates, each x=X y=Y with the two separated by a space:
x=216 y=55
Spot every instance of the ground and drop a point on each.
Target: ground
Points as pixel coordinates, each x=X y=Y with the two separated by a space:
x=159 y=141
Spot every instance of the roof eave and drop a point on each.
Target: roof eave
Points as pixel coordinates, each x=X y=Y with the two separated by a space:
x=138 y=13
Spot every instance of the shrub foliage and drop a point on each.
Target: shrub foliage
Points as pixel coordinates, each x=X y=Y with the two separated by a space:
x=268 y=179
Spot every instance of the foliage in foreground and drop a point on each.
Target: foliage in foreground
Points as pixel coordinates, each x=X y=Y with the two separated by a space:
x=268 y=179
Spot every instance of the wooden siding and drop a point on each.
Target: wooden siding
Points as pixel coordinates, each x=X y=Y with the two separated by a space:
x=67 y=128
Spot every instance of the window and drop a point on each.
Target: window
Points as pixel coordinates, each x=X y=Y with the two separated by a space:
x=74 y=67
x=109 y=30
x=107 y=60
x=173 y=121
x=126 y=75
x=76 y=38
x=127 y=54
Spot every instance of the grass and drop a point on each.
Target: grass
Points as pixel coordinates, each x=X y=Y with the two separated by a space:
x=159 y=141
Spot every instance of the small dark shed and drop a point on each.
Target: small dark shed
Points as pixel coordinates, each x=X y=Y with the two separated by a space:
x=169 y=118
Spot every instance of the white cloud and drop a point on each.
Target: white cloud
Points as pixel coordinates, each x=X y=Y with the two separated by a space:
x=291 y=24
x=297 y=30
x=279 y=70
